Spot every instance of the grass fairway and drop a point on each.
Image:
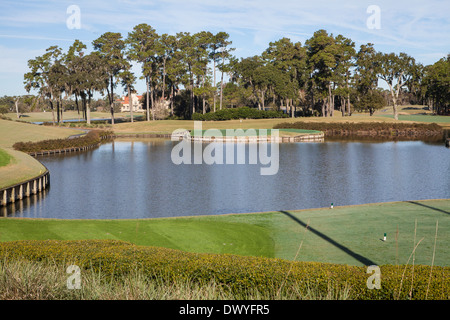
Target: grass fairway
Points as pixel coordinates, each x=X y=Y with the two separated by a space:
x=12 y=132
x=442 y=120
x=196 y=234
x=347 y=235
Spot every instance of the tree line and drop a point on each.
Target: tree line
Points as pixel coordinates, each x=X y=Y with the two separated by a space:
x=187 y=73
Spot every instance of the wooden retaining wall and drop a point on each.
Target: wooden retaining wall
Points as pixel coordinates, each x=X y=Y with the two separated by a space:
x=61 y=151
x=21 y=190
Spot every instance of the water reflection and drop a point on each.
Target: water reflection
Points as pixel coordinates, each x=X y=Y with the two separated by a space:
x=137 y=179
x=29 y=207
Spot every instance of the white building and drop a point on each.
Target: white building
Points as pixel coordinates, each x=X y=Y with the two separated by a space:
x=135 y=102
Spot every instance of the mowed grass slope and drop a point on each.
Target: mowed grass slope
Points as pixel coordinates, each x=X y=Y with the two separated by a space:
x=346 y=235
x=12 y=132
x=22 y=166
x=196 y=234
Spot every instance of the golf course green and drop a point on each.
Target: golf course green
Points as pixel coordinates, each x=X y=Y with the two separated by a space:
x=350 y=235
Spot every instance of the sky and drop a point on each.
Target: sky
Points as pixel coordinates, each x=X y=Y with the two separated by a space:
x=416 y=27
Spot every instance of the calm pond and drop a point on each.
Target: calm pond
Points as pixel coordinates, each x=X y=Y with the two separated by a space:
x=129 y=179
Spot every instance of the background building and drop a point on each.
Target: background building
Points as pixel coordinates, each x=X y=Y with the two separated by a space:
x=135 y=102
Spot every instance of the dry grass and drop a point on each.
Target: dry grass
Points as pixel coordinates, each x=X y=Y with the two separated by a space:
x=67 y=115
x=12 y=132
x=25 y=280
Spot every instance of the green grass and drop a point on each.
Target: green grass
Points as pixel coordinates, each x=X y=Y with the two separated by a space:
x=421 y=118
x=5 y=158
x=346 y=235
x=188 y=234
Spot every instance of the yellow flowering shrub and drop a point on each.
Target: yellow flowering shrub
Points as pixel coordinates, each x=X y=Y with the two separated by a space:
x=236 y=273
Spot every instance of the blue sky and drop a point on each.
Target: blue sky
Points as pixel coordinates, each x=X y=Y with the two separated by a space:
x=27 y=28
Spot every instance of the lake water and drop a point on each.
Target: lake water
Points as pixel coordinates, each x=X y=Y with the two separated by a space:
x=128 y=179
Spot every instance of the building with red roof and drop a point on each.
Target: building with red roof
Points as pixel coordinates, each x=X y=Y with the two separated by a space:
x=135 y=102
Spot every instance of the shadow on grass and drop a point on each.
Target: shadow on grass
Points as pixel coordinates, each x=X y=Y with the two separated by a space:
x=429 y=207
x=360 y=258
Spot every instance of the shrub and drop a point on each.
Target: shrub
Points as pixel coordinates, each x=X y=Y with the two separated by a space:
x=380 y=129
x=93 y=137
x=4 y=109
x=173 y=117
x=235 y=273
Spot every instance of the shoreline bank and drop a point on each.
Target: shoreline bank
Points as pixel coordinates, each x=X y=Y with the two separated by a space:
x=24 y=189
